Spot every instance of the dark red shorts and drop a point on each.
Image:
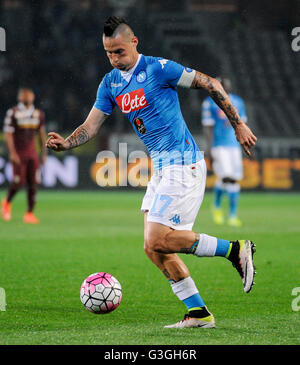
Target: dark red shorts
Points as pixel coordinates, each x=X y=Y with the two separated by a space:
x=27 y=172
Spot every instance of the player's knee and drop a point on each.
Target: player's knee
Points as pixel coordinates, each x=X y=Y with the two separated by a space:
x=147 y=249
x=146 y=246
x=155 y=243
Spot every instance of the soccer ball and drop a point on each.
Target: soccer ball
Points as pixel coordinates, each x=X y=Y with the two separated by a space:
x=101 y=293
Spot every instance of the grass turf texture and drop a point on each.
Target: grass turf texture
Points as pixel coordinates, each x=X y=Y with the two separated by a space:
x=42 y=268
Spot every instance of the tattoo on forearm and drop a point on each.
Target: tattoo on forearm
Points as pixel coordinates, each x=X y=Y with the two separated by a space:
x=78 y=137
x=219 y=96
x=226 y=105
x=201 y=81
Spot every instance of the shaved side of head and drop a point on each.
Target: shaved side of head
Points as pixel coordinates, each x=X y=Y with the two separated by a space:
x=125 y=31
x=115 y=26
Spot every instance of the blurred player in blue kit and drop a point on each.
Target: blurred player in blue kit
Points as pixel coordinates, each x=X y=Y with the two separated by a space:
x=144 y=88
x=225 y=153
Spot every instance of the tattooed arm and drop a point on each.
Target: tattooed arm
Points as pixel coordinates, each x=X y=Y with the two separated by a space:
x=81 y=135
x=243 y=133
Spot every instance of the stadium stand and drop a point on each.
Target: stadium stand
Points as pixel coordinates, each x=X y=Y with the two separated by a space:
x=263 y=68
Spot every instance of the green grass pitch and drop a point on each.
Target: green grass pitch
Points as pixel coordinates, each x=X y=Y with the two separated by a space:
x=42 y=268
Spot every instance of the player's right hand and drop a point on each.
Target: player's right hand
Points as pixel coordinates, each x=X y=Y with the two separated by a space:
x=56 y=142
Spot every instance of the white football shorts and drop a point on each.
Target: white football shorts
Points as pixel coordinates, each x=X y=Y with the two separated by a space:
x=227 y=162
x=174 y=195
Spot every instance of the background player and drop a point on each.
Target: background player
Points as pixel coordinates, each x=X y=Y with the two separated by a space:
x=144 y=88
x=225 y=153
x=21 y=124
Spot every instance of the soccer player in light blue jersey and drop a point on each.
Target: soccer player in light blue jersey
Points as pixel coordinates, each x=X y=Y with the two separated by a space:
x=144 y=89
x=225 y=154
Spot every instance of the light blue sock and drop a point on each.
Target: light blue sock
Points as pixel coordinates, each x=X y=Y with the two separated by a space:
x=218 y=192
x=223 y=248
x=187 y=292
x=194 y=302
x=233 y=203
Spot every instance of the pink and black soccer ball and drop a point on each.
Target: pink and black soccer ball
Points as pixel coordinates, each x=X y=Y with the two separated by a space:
x=101 y=293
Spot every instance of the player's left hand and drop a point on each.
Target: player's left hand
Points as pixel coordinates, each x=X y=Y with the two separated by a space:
x=245 y=137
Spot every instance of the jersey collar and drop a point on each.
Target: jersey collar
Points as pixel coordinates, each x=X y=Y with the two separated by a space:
x=21 y=106
x=128 y=74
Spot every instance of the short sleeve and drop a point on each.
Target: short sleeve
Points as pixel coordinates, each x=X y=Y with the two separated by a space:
x=169 y=72
x=8 y=122
x=207 y=116
x=104 y=100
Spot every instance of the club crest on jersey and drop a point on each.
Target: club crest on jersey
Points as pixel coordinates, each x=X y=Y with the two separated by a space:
x=141 y=77
x=132 y=101
x=140 y=126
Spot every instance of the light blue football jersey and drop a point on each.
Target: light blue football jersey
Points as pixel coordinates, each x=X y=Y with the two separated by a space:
x=223 y=132
x=150 y=102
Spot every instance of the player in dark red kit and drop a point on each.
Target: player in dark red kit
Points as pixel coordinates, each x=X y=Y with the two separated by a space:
x=21 y=124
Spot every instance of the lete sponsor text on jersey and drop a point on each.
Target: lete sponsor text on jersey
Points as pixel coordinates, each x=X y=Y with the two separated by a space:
x=132 y=101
